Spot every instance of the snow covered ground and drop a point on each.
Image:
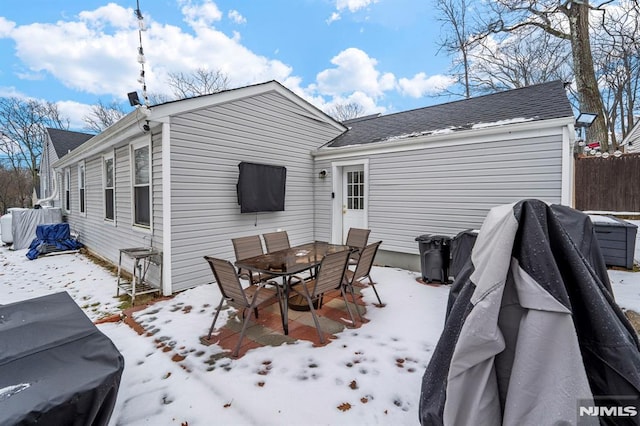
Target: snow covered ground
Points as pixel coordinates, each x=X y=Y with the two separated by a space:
x=370 y=375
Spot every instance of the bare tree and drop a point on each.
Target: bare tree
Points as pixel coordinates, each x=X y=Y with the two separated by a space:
x=527 y=56
x=564 y=19
x=617 y=59
x=16 y=187
x=199 y=82
x=346 y=111
x=23 y=125
x=457 y=39
x=156 y=98
x=103 y=116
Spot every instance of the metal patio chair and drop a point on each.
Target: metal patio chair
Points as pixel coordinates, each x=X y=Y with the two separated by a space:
x=244 y=248
x=243 y=299
x=276 y=241
x=357 y=239
x=330 y=276
x=363 y=270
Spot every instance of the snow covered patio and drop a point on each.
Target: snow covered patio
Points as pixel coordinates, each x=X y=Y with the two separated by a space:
x=367 y=375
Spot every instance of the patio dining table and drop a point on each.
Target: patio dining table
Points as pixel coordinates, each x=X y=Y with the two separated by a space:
x=288 y=262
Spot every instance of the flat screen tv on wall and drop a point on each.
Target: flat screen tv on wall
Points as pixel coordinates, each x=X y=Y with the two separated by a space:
x=261 y=187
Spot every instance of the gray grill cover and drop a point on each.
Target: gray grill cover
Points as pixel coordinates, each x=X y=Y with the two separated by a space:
x=533 y=328
x=56 y=367
x=25 y=222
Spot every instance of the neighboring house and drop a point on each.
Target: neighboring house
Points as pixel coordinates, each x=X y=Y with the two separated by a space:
x=58 y=143
x=438 y=170
x=631 y=142
x=168 y=178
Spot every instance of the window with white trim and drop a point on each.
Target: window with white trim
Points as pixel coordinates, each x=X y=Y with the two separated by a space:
x=81 y=188
x=67 y=190
x=109 y=188
x=142 y=185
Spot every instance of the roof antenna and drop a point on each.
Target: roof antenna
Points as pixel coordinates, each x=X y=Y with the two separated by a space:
x=141 y=58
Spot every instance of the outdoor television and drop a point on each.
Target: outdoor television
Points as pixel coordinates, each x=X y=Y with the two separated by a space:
x=261 y=187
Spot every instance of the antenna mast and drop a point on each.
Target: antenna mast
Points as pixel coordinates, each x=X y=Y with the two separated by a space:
x=141 y=57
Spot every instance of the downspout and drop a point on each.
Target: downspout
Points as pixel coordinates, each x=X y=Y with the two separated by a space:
x=53 y=195
x=167 y=281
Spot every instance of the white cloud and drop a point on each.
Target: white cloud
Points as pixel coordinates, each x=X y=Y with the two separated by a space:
x=75 y=111
x=368 y=104
x=236 y=17
x=204 y=14
x=96 y=53
x=353 y=5
x=355 y=71
x=110 y=15
x=335 y=16
x=421 y=85
x=6 y=27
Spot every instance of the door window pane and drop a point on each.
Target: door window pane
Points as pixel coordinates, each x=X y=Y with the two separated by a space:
x=355 y=190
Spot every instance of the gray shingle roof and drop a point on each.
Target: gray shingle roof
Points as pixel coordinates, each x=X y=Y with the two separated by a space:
x=64 y=141
x=533 y=103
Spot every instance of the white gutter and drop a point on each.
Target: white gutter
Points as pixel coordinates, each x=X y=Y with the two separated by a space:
x=122 y=130
x=167 y=244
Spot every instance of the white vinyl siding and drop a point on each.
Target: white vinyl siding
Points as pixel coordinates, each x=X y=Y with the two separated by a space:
x=48 y=177
x=104 y=237
x=206 y=147
x=447 y=189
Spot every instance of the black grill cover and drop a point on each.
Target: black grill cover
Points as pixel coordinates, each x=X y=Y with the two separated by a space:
x=56 y=367
x=532 y=328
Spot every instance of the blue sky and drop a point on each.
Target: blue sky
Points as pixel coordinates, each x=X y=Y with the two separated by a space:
x=378 y=53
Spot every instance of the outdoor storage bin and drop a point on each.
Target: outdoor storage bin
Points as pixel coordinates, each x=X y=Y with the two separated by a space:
x=434 y=257
x=617 y=240
x=461 y=246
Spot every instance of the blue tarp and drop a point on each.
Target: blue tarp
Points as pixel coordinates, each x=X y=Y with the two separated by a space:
x=51 y=238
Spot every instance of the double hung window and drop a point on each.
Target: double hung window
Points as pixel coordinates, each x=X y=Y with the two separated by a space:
x=109 y=189
x=81 y=188
x=142 y=186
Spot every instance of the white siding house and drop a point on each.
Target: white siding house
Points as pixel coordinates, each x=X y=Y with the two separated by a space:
x=168 y=178
x=439 y=170
x=57 y=144
x=631 y=142
x=185 y=167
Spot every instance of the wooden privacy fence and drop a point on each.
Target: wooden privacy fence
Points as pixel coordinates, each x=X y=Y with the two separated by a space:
x=608 y=184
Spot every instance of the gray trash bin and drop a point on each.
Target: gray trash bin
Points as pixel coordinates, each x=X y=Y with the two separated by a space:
x=461 y=246
x=434 y=257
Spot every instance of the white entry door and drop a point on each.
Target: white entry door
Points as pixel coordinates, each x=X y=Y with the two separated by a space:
x=353 y=199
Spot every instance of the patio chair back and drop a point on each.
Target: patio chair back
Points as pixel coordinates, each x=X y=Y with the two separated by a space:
x=330 y=273
x=246 y=247
x=228 y=282
x=276 y=241
x=357 y=237
x=367 y=255
x=330 y=276
x=363 y=268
